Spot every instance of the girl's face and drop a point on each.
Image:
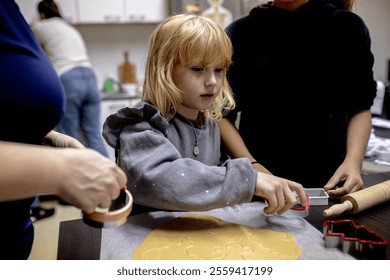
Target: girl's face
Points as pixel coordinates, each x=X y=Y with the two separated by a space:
x=199 y=85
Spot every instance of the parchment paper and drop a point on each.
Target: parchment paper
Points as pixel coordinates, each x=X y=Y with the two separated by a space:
x=119 y=243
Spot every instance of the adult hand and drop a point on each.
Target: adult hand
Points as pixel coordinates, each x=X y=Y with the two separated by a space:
x=279 y=193
x=345 y=180
x=89 y=180
x=59 y=140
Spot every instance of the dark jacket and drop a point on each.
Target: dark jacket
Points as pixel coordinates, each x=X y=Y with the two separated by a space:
x=298 y=76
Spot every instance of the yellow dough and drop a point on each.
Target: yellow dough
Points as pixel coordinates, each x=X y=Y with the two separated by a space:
x=204 y=237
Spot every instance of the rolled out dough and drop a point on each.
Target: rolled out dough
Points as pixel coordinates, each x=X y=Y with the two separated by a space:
x=204 y=237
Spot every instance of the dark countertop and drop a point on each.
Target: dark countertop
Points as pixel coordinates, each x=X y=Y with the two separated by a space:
x=78 y=241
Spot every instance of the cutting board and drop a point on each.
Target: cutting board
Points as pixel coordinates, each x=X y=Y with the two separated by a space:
x=126 y=71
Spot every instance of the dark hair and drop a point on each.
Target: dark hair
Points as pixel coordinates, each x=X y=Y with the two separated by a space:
x=49 y=8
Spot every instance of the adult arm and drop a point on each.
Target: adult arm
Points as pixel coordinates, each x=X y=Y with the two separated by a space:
x=355 y=67
x=349 y=172
x=81 y=177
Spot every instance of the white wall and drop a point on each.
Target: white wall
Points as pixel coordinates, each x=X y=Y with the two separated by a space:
x=376 y=13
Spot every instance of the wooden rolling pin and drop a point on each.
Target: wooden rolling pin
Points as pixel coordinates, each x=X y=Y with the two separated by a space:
x=361 y=200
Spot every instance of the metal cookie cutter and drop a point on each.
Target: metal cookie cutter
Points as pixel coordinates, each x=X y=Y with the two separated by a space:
x=298 y=210
x=115 y=215
x=317 y=196
x=356 y=240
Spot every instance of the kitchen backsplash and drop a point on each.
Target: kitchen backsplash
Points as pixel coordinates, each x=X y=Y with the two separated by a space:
x=107 y=43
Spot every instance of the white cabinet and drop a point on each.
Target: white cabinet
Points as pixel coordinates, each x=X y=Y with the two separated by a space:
x=68 y=10
x=145 y=11
x=122 y=11
x=100 y=11
x=29 y=9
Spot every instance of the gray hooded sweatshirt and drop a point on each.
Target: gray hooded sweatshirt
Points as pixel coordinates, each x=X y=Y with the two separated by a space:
x=162 y=170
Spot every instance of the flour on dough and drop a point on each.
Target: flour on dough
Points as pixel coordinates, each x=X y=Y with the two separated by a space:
x=204 y=237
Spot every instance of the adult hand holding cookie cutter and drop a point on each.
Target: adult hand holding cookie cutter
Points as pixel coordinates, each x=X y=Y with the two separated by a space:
x=115 y=215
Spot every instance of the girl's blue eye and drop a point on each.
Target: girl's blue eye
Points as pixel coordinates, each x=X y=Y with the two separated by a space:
x=197 y=69
x=219 y=70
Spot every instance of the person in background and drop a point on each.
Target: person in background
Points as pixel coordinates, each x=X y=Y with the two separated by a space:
x=34 y=159
x=67 y=51
x=302 y=75
x=169 y=143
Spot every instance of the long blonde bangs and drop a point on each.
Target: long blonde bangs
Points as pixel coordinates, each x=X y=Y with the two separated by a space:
x=179 y=39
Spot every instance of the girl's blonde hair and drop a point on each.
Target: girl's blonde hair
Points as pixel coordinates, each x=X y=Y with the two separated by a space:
x=179 y=39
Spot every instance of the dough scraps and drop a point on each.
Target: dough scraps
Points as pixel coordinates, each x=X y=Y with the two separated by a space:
x=203 y=237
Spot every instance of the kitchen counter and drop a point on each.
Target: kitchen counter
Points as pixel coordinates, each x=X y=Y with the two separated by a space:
x=79 y=241
x=118 y=95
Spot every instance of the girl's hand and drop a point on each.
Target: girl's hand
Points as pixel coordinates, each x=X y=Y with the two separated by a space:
x=279 y=193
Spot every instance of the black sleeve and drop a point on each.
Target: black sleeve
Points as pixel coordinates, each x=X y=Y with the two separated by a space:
x=355 y=61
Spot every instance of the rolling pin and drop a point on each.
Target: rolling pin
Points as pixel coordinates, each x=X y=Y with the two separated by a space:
x=361 y=200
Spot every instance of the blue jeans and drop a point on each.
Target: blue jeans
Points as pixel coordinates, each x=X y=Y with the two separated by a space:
x=82 y=108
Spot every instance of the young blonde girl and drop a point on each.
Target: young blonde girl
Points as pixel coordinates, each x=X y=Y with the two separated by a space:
x=178 y=40
x=169 y=144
